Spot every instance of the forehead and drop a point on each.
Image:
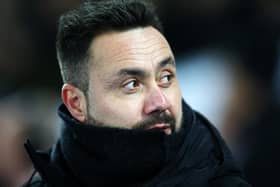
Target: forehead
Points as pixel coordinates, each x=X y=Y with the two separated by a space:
x=139 y=46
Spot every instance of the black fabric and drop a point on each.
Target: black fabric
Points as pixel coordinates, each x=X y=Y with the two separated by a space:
x=87 y=155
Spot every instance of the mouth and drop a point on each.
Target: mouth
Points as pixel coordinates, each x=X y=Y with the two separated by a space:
x=161 y=126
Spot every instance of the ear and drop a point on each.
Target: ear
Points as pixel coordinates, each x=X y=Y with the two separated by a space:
x=75 y=101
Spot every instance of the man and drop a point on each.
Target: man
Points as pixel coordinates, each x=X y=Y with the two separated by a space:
x=125 y=123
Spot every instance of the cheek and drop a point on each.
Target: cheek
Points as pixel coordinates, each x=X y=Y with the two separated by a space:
x=176 y=106
x=175 y=97
x=116 y=112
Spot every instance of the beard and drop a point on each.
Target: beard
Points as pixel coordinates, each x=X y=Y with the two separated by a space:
x=154 y=118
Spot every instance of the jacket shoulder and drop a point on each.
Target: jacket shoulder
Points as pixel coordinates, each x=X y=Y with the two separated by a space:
x=35 y=181
x=229 y=181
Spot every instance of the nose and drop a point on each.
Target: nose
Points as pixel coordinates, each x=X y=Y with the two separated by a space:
x=155 y=101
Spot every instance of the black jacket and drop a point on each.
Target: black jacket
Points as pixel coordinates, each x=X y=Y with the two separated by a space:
x=86 y=155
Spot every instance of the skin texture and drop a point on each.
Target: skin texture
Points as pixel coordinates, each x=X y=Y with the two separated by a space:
x=132 y=82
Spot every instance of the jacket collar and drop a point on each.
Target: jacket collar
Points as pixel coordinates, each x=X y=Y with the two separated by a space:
x=117 y=156
x=88 y=156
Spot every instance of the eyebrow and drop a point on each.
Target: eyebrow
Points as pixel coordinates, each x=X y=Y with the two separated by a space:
x=135 y=72
x=165 y=62
x=132 y=72
x=141 y=73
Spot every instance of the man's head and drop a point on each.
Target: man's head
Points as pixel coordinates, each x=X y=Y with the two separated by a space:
x=118 y=68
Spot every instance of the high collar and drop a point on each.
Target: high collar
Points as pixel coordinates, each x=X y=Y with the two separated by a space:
x=118 y=156
x=93 y=156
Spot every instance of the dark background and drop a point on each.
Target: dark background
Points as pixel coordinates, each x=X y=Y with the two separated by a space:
x=227 y=52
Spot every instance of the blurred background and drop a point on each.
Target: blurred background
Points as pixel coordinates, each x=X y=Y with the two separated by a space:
x=228 y=58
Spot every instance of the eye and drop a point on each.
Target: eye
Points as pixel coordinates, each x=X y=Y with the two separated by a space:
x=131 y=86
x=166 y=79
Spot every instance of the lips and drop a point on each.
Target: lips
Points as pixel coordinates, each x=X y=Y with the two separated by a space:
x=161 y=126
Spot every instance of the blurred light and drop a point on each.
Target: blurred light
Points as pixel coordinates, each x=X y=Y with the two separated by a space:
x=206 y=83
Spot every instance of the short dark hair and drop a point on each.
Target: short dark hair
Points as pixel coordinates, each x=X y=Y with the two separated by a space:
x=77 y=28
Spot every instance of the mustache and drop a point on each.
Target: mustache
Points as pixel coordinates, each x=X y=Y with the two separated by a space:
x=159 y=117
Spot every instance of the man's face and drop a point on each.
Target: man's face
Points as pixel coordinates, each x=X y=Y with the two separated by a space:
x=133 y=81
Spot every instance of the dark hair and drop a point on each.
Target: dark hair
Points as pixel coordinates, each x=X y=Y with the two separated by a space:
x=78 y=27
